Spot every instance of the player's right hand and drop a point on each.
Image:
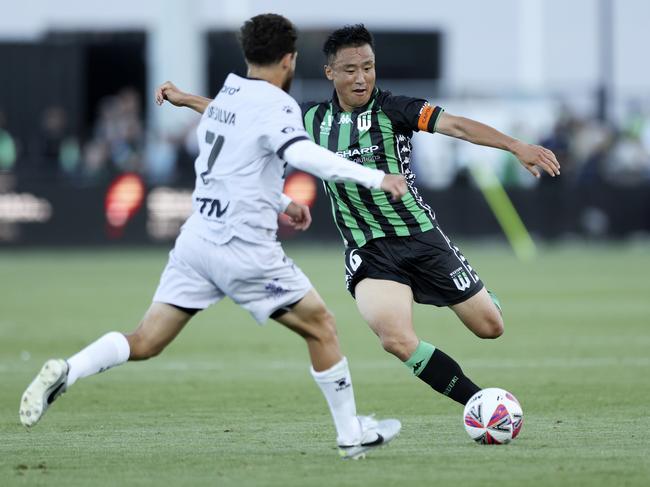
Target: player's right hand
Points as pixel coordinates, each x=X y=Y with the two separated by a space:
x=168 y=91
x=299 y=216
x=394 y=184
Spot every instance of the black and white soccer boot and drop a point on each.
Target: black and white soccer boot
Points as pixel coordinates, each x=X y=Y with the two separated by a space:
x=374 y=434
x=44 y=389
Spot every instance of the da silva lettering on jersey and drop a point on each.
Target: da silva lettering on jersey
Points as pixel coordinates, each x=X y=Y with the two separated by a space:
x=221 y=115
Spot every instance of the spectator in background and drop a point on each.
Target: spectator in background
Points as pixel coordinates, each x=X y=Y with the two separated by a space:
x=590 y=167
x=559 y=140
x=644 y=132
x=95 y=167
x=59 y=149
x=118 y=141
x=161 y=155
x=120 y=126
x=592 y=152
x=7 y=146
x=632 y=153
x=628 y=162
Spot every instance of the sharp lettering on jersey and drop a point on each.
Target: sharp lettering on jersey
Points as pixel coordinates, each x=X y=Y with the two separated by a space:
x=221 y=115
x=364 y=121
x=357 y=152
x=361 y=155
x=229 y=90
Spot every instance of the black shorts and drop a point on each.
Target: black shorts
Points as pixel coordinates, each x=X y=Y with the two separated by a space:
x=429 y=263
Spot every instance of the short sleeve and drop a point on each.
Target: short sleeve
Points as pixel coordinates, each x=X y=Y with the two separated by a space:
x=282 y=125
x=412 y=113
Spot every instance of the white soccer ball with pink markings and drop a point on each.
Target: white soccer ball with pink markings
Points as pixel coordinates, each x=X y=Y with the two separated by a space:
x=493 y=416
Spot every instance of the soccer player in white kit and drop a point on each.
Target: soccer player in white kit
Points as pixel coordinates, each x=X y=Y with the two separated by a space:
x=228 y=247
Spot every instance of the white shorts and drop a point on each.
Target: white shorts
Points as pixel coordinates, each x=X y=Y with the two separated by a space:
x=257 y=276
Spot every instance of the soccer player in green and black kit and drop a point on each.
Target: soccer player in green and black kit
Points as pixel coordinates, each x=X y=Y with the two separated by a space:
x=396 y=252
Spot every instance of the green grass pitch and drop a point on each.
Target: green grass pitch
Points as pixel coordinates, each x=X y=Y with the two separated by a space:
x=230 y=403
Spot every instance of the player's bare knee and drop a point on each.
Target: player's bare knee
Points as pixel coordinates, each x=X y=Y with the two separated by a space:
x=318 y=324
x=325 y=329
x=492 y=327
x=142 y=348
x=496 y=325
x=401 y=346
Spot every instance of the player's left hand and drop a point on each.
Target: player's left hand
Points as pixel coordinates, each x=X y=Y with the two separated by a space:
x=533 y=157
x=299 y=216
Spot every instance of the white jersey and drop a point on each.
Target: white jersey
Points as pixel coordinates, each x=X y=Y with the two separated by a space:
x=242 y=136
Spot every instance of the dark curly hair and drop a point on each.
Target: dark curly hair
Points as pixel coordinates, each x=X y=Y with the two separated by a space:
x=266 y=38
x=348 y=36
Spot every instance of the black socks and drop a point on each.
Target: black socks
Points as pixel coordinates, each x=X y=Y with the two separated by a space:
x=441 y=372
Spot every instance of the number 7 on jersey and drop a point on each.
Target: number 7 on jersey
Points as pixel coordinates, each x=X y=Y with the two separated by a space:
x=217 y=145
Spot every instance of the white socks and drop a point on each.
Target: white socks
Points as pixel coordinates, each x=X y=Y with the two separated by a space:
x=108 y=351
x=113 y=349
x=336 y=385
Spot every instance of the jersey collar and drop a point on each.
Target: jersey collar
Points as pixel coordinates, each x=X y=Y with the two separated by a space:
x=337 y=108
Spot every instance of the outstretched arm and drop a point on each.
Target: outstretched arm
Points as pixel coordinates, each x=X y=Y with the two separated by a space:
x=168 y=91
x=531 y=156
x=314 y=159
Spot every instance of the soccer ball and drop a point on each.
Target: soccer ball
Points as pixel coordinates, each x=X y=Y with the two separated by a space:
x=493 y=417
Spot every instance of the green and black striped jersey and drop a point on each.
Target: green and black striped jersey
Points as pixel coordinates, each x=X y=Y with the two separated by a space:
x=377 y=135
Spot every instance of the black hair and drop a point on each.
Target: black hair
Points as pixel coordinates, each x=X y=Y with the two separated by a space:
x=348 y=36
x=266 y=38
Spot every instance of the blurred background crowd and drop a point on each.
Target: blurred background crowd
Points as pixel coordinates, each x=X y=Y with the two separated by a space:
x=117 y=142
x=590 y=149
x=77 y=111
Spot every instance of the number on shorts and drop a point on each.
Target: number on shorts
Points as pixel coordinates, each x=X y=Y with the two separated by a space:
x=354 y=260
